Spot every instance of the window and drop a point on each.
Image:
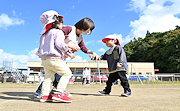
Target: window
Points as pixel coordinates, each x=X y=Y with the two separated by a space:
x=132 y=73
x=77 y=71
x=148 y=74
x=31 y=74
x=93 y=71
x=42 y=71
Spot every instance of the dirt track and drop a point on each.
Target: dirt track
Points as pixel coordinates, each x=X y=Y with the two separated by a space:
x=144 y=98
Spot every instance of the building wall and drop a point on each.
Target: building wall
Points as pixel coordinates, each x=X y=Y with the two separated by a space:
x=144 y=68
x=133 y=67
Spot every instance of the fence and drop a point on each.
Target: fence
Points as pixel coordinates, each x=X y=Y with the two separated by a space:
x=158 y=79
x=161 y=78
x=150 y=80
x=18 y=77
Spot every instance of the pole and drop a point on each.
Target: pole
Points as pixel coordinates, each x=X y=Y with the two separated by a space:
x=99 y=72
x=93 y=80
x=173 y=79
x=34 y=78
x=131 y=74
x=5 y=77
x=148 y=80
x=137 y=74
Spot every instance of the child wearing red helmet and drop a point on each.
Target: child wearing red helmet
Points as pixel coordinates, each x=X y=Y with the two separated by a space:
x=117 y=65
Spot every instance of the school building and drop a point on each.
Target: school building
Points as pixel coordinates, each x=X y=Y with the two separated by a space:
x=143 y=68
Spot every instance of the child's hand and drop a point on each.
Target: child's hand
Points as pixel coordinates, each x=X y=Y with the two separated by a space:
x=72 y=56
x=119 y=65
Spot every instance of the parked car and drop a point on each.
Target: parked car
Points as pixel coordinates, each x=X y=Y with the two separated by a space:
x=78 y=76
x=35 y=77
x=9 y=76
x=71 y=80
x=135 y=78
x=103 y=77
x=1 y=78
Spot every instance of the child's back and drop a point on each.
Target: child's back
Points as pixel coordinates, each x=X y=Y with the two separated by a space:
x=51 y=49
x=52 y=44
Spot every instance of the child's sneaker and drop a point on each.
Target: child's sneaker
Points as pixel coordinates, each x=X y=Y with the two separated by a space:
x=46 y=98
x=68 y=94
x=103 y=93
x=61 y=97
x=53 y=92
x=126 y=94
x=37 y=95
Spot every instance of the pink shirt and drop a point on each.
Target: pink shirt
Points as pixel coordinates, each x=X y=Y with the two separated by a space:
x=52 y=44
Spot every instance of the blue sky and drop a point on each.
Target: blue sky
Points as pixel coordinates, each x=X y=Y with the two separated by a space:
x=125 y=19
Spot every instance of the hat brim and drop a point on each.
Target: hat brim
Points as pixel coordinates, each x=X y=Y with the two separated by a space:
x=105 y=39
x=61 y=16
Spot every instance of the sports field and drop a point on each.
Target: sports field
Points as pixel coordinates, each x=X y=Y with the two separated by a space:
x=19 y=97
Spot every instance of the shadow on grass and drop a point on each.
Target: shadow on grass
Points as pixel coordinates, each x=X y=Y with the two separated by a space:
x=29 y=96
x=91 y=94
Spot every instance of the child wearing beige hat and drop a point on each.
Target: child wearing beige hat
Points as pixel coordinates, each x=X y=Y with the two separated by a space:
x=51 y=50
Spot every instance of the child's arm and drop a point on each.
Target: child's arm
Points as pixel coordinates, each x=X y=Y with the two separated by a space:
x=61 y=46
x=72 y=56
x=120 y=63
x=103 y=57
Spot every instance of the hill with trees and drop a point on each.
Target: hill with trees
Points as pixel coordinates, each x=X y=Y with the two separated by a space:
x=161 y=48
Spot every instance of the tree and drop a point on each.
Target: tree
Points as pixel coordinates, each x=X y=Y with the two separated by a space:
x=161 y=48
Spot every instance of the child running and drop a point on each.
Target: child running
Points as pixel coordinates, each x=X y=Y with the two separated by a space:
x=51 y=50
x=117 y=65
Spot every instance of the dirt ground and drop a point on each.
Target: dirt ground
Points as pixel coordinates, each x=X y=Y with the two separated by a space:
x=20 y=97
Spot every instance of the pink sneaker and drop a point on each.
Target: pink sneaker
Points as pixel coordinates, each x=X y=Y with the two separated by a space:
x=46 y=98
x=62 y=97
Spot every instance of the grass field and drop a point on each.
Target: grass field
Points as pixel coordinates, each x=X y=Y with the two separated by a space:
x=152 y=97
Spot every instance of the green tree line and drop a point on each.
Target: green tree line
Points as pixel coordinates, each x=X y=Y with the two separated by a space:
x=161 y=48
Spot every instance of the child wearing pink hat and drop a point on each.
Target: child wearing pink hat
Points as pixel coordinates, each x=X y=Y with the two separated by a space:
x=117 y=65
x=51 y=50
x=74 y=40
